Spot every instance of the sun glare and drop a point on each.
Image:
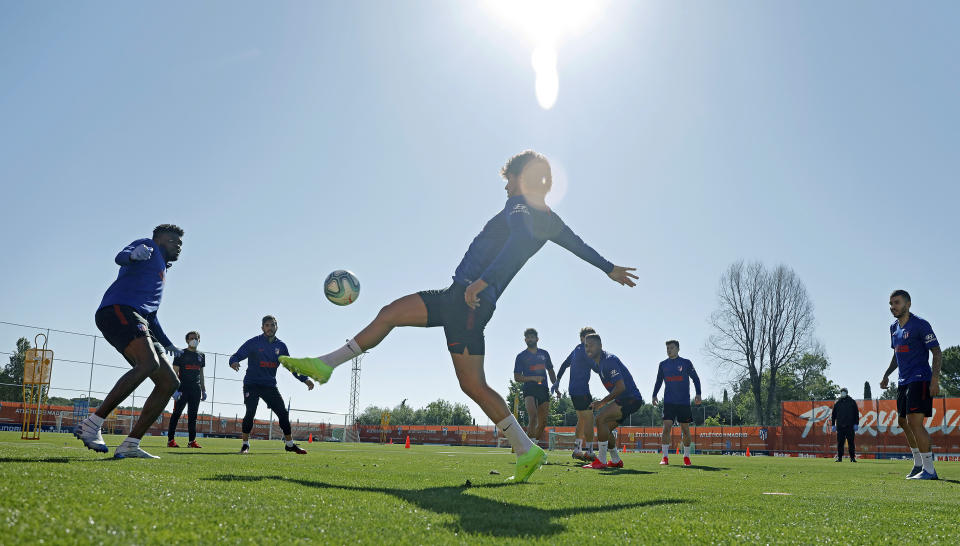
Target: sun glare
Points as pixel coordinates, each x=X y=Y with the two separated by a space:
x=545 y=23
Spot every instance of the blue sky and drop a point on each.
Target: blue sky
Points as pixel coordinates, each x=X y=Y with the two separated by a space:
x=297 y=138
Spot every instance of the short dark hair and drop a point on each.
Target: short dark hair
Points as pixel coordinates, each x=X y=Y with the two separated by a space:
x=587 y=330
x=674 y=342
x=515 y=165
x=530 y=331
x=194 y=332
x=167 y=228
x=902 y=293
x=595 y=337
x=267 y=319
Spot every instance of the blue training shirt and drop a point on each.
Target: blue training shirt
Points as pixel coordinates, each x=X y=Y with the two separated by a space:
x=611 y=371
x=510 y=238
x=675 y=374
x=140 y=285
x=580 y=367
x=533 y=364
x=912 y=343
x=263 y=358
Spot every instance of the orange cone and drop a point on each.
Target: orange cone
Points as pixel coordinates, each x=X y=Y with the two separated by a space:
x=748 y=451
x=391 y=441
x=678 y=449
x=407 y=444
x=310 y=438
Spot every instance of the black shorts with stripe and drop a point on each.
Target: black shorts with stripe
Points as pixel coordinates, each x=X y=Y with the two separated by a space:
x=538 y=391
x=121 y=324
x=914 y=398
x=462 y=326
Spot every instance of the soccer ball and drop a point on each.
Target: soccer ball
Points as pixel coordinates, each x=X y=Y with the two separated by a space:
x=341 y=287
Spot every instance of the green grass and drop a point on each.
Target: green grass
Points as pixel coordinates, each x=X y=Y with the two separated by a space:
x=57 y=491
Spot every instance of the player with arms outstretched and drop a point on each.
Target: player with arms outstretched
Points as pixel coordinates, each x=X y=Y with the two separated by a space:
x=530 y=368
x=624 y=394
x=494 y=257
x=675 y=374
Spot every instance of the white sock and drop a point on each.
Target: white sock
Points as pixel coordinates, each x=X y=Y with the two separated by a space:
x=578 y=445
x=686 y=451
x=590 y=448
x=246 y=442
x=289 y=443
x=341 y=355
x=603 y=453
x=666 y=450
x=614 y=455
x=917 y=461
x=132 y=442
x=95 y=420
x=514 y=432
x=928 y=462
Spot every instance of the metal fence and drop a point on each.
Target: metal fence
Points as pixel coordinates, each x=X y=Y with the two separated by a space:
x=86 y=366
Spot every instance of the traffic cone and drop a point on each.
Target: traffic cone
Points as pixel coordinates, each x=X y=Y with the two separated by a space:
x=678 y=449
x=391 y=441
x=310 y=438
x=407 y=444
x=748 y=451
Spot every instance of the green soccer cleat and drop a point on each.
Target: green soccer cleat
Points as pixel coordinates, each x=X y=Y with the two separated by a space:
x=528 y=463
x=313 y=368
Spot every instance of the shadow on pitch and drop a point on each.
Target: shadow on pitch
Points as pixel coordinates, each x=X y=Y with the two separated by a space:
x=474 y=514
x=706 y=468
x=623 y=471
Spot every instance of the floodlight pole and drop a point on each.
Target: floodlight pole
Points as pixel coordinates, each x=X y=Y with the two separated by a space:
x=354 y=393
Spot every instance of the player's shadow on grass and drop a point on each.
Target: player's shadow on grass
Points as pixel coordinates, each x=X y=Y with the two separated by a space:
x=706 y=468
x=622 y=471
x=475 y=514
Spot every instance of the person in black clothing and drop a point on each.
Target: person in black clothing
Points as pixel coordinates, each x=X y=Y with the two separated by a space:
x=189 y=367
x=845 y=421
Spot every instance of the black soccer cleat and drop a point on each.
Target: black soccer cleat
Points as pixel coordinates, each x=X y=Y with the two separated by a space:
x=296 y=449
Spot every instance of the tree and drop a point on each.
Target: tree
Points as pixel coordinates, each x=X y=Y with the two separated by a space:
x=867 y=394
x=12 y=373
x=890 y=393
x=763 y=322
x=950 y=371
x=515 y=393
x=370 y=416
x=460 y=415
x=403 y=415
x=438 y=412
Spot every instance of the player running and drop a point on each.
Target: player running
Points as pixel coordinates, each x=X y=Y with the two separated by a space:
x=624 y=394
x=579 y=389
x=260 y=381
x=494 y=257
x=530 y=368
x=127 y=317
x=192 y=391
x=675 y=374
x=912 y=340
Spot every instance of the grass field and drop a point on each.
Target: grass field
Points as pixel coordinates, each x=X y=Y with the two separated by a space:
x=56 y=491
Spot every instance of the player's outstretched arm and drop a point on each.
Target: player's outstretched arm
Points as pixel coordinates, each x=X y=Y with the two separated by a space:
x=622 y=275
x=886 y=376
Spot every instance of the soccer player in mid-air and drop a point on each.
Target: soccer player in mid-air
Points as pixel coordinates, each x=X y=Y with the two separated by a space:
x=127 y=317
x=498 y=253
x=912 y=340
x=262 y=354
x=624 y=394
x=193 y=390
x=530 y=368
x=579 y=389
x=675 y=374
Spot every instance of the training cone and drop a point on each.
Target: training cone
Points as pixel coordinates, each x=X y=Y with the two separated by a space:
x=678 y=449
x=406 y=444
x=391 y=441
x=748 y=451
x=310 y=438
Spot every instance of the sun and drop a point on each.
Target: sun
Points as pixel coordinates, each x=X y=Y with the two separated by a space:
x=545 y=23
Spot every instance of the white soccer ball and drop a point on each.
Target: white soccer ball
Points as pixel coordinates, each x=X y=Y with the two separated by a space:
x=341 y=287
